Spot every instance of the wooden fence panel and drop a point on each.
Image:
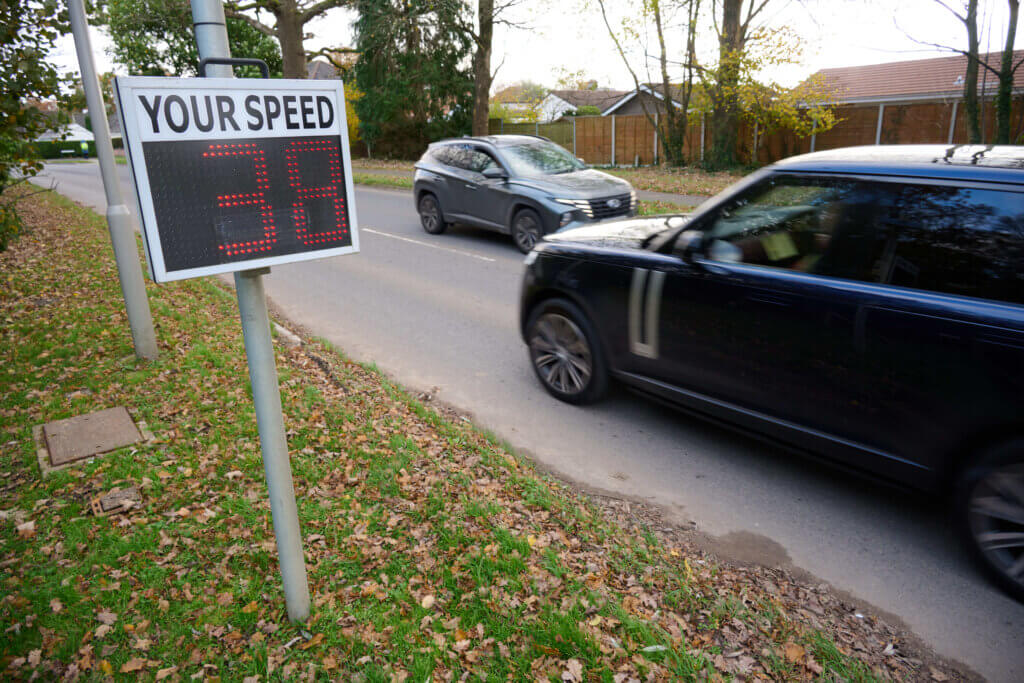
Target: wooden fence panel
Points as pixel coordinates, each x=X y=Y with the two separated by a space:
x=594 y=139
x=915 y=123
x=857 y=127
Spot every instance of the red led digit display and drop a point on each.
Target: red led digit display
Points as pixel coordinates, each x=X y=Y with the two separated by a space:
x=303 y=193
x=257 y=198
x=223 y=201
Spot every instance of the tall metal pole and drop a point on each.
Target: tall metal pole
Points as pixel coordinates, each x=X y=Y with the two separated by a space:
x=119 y=220
x=212 y=41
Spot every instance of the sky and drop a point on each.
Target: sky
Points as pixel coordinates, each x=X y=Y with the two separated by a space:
x=552 y=37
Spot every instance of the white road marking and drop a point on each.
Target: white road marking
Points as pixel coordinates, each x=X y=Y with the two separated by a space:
x=427 y=244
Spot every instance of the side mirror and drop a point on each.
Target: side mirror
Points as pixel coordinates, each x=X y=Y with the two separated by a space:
x=689 y=243
x=494 y=173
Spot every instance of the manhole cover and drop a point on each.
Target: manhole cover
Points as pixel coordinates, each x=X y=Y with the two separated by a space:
x=84 y=436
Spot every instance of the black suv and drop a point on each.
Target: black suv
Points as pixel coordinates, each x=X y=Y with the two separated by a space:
x=520 y=184
x=862 y=305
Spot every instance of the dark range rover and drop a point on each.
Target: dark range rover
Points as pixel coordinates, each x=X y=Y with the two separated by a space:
x=864 y=305
x=518 y=184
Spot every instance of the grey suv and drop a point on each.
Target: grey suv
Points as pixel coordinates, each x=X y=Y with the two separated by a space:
x=523 y=185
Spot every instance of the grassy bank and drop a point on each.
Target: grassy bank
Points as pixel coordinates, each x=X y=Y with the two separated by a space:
x=433 y=551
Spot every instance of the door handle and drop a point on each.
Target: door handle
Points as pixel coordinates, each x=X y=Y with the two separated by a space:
x=470 y=187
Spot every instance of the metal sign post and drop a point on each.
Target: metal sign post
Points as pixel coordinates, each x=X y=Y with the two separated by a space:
x=236 y=176
x=119 y=221
x=212 y=42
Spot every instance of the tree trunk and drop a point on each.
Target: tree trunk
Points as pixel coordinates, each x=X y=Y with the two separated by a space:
x=482 y=68
x=971 y=75
x=1005 y=94
x=724 y=115
x=289 y=34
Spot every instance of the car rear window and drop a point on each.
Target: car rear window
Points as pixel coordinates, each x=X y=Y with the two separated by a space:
x=959 y=240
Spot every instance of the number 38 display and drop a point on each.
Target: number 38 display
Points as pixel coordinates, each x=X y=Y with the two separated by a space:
x=235 y=174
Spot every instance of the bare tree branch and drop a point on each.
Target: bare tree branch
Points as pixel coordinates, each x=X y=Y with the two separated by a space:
x=258 y=25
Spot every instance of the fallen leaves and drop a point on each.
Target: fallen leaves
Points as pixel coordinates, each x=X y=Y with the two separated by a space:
x=133 y=664
x=106 y=617
x=794 y=653
x=415 y=527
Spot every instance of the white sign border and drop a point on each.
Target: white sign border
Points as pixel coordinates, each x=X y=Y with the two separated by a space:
x=124 y=86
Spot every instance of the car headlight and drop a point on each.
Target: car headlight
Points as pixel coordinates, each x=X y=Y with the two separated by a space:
x=578 y=204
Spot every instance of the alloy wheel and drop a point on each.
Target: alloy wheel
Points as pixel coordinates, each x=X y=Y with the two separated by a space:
x=996 y=519
x=430 y=216
x=561 y=354
x=527 y=232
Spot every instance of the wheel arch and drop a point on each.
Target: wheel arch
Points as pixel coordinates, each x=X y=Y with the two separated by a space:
x=958 y=459
x=520 y=203
x=425 y=190
x=546 y=294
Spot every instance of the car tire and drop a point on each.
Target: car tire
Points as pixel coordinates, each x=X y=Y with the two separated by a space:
x=431 y=216
x=990 y=513
x=566 y=353
x=527 y=229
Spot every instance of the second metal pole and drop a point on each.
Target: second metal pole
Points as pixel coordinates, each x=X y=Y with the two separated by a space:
x=119 y=219
x=212 y=41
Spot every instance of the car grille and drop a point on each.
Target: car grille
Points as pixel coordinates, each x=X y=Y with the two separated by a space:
x=599 y=209
x=602 y=208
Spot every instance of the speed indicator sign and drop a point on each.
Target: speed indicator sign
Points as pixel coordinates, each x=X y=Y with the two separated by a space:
x=237 y=174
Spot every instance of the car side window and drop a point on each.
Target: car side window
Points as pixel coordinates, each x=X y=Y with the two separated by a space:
x=482 y=161
x=441 y=155
x=461 y=157
x=815 y=225
x=958 y=240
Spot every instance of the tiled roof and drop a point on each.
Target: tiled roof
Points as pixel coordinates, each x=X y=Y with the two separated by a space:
x=602 y=99
x=942 y=77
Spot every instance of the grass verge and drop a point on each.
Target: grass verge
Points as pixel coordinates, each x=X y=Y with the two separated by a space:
x=403 y=182
x=433 y=552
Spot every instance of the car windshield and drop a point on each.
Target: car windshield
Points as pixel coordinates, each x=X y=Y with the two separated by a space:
x=540 y=158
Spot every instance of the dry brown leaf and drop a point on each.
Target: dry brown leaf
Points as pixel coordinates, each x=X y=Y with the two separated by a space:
x=427 y=602
x=106 y=617
x=133 y=664
x=250 y=608
x=794 y=653
x=27 y=530
x=56 y=606
x=103 y=630
x=161 y=674
x=315 y=640
x=573 y=671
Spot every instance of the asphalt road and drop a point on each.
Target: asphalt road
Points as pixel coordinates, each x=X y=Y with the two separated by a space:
x=438 y=313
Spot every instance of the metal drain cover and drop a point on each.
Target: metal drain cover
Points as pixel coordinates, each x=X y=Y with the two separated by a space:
x=84 y=436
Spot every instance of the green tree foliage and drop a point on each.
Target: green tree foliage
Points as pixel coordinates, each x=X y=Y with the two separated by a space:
x=412 y=71
x=28 y=29
x=155 y=38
